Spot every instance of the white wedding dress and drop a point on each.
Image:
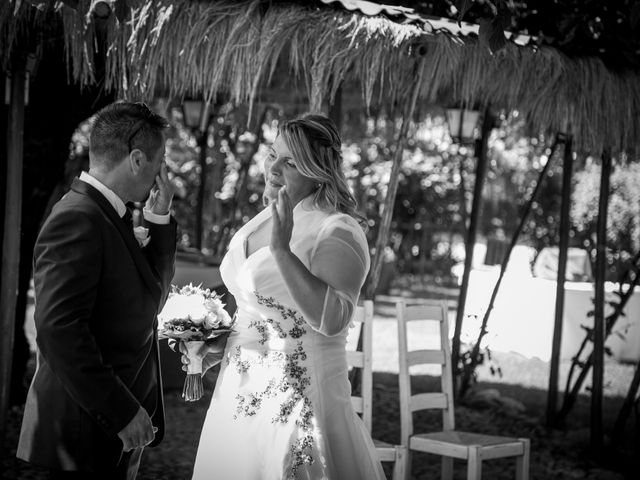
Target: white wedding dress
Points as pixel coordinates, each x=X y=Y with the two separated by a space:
x=281 y=408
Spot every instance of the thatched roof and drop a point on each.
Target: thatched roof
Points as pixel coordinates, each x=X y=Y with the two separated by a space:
x=208 y=47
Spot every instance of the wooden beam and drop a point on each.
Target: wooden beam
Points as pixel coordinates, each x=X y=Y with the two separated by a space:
x=598 y=319
x=565 y=227
x=472 y=232
x=392 y=189
x=11 y=239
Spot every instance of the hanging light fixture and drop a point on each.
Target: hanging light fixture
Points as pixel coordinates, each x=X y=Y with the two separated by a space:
x=195 y=113
x=462 y=124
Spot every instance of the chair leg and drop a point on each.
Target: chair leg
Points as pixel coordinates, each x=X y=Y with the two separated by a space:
x=522 y=462
x=407 y=462
x=447 y=468
x=474 y=464
x=400 y=465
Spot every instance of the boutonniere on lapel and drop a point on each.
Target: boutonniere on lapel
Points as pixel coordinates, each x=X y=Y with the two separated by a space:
x=142 y=236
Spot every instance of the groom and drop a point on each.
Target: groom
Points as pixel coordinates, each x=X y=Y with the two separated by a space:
x=96 y=398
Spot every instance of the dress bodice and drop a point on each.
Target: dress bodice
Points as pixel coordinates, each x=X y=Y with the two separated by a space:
x=266 y=311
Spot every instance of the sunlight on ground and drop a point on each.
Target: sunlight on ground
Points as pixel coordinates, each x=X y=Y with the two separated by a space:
x=516 y=368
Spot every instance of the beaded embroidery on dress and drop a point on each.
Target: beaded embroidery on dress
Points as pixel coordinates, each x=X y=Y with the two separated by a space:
x=281 y=408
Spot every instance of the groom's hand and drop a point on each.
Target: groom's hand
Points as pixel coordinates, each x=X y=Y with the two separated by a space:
x=139 y=432
x=160 y=197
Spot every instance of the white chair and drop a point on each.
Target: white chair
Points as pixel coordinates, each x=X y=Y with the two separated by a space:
x=363 y=404
x=449 y=443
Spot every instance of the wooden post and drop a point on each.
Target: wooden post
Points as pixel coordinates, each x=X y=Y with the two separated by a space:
x=472 y=231
x=11 y=239
x=598 y=319
x=385 y=224
x=335 y=109
x=202 y=143
x=565 y=226
x=469 y=368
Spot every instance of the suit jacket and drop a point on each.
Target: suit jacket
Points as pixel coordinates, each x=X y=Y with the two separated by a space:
x=97 y=295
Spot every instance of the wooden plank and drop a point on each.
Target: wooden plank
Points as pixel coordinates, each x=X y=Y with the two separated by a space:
x=501 y=451
x=431 y=312
x=472 y=230
x=404 y=380
x=522 y=462
x=355 y=359
x=357 y=404
x=447 y=468
x=11 y=241
x=423 y=401
x=446 y=379
x=439 y=448
x=367 y=370
x=402 y=466
x=420 y=357
x=597 y=434
x=565 y=226
x=394 y=179
x=474 y=465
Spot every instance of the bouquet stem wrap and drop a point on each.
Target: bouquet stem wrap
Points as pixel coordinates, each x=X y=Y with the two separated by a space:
x=193 y=388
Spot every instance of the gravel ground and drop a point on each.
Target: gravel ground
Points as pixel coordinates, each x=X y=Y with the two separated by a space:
x=555 y=455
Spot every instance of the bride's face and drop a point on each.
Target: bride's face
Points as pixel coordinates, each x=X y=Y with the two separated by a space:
x=280 y=169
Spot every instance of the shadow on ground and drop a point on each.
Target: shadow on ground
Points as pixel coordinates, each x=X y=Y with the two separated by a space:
x=555 y=454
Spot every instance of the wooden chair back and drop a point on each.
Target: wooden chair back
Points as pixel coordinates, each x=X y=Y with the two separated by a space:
x=362 y=403
x=435 y=311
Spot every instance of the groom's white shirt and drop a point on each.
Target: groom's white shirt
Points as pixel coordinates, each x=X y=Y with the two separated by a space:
x=117 y=203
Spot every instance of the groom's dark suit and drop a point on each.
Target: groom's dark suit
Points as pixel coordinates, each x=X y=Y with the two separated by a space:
x=97 y=295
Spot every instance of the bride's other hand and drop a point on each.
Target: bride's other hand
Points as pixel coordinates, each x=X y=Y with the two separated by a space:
x=282 y=214
x=211 y=353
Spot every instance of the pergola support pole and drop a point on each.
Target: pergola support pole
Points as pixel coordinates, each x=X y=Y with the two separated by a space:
x=385 y=224
x=598 y=319
x=383 y=232
x=565 y=226
x=472 y=232
x=11 y=239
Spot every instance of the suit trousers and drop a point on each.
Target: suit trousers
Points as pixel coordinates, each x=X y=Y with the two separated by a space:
x=127 y=469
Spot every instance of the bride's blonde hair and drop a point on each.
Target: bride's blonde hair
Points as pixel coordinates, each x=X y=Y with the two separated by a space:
x=315 y=143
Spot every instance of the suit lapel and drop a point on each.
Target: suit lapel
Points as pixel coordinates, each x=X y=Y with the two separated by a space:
x=129 y=239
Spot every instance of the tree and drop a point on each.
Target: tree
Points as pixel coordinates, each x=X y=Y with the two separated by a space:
x=623 y=225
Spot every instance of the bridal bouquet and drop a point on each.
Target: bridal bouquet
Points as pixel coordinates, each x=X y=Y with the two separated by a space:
x=193 y=314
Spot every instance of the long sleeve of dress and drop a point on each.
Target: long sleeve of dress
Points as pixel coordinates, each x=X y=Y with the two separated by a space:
x=340 y=258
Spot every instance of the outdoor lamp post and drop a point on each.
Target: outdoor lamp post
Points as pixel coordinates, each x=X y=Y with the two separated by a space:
x=462 y=124
x=196 y=117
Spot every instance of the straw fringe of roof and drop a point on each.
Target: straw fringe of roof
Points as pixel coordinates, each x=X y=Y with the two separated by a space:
x=210 y=48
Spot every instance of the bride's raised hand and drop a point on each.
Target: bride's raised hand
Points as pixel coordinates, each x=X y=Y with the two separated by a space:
x=282 y=214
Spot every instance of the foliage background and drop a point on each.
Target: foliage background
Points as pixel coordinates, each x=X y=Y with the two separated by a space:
x=434 y=197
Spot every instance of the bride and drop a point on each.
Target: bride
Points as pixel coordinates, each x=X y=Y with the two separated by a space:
x=281 y=408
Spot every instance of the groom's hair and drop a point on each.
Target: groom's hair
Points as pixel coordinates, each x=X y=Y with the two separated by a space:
x=122 y=127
